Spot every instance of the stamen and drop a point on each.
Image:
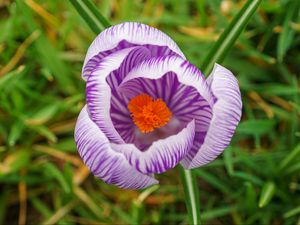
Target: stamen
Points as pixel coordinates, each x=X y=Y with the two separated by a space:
x=147 y=113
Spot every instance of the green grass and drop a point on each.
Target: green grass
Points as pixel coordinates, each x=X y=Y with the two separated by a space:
x=42 y=180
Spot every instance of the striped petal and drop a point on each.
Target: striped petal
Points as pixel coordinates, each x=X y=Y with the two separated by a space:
x=226 y=115
x=104 y=162
x=162 y=155
x=191 y=97
x=184 y=102
x=155 y=68
x=103 y=80
x=127 y=35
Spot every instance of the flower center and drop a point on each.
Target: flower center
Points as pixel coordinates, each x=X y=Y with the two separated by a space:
x=147 y=113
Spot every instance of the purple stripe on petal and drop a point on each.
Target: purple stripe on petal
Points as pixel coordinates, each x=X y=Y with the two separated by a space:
x=162 y=155
x=126 y=35
x=155 y=50
x=184 y=102
x=106 y=164
x=130 y=34
x=118 y=112
x=101 y=96
x=226 y=115
x=186 y=73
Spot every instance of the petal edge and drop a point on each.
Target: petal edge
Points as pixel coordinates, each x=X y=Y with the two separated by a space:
x=227 y=112
x=105 y=163
x=163 y=154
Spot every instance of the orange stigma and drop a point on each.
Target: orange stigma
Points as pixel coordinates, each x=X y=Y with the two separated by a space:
x=147 y=113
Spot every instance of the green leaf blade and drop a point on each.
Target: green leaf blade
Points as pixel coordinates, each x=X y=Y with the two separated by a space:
x=220 y=49
x=267 y=194
x=91 y=15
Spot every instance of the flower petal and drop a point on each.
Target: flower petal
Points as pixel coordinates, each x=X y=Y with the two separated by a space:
x=126 y=35
x=100 y=85
x=156 y=68
x=162 y=155
x=187 y=75
x=184 y=102
x=226 y=115
x=105 y=163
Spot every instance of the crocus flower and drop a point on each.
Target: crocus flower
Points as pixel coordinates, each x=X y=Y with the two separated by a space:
x=149 y=109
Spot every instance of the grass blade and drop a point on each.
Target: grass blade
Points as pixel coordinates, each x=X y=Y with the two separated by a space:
x=267 y=194
x=290 y=157
x=96 y=13
x=220 y=49
x=292 y=212
x=56 y=173
x=212 y=180
x=91 y=15
x=287 y=34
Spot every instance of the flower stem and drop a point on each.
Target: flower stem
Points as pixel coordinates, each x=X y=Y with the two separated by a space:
x=191 y=194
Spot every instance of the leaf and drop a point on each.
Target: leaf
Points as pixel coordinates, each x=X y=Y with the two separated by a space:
x=294 y=168
x=211 y=179
x=248 y=177
x=221 y=48
x=46 y=54
x=91 y=15
x=293 y=155
x=14 y=162
x=250 y=198
x=287 y=34
x=15 y=133
x=292 y=212
x=255 y=127
x=41 y=207
x=267 y=193
x=44 y=131
x=227 y=157
x=273 y=89
x=218 y=212
x=4 y=80
x=123 y=215
x=52 y=170
x=43 y=115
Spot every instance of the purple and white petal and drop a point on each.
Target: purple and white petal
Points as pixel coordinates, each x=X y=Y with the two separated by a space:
x=127 y=35
x=105 y=163
x=155 y=68
x=192 y=97
x=226 y=115
x=184 y=102
x=162 y=155
x=119 y=113
x=108 y=74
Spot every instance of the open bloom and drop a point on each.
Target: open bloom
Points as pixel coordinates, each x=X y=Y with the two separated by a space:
x=149 y=109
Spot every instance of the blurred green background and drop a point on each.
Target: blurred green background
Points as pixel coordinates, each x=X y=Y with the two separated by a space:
x=42 y=179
